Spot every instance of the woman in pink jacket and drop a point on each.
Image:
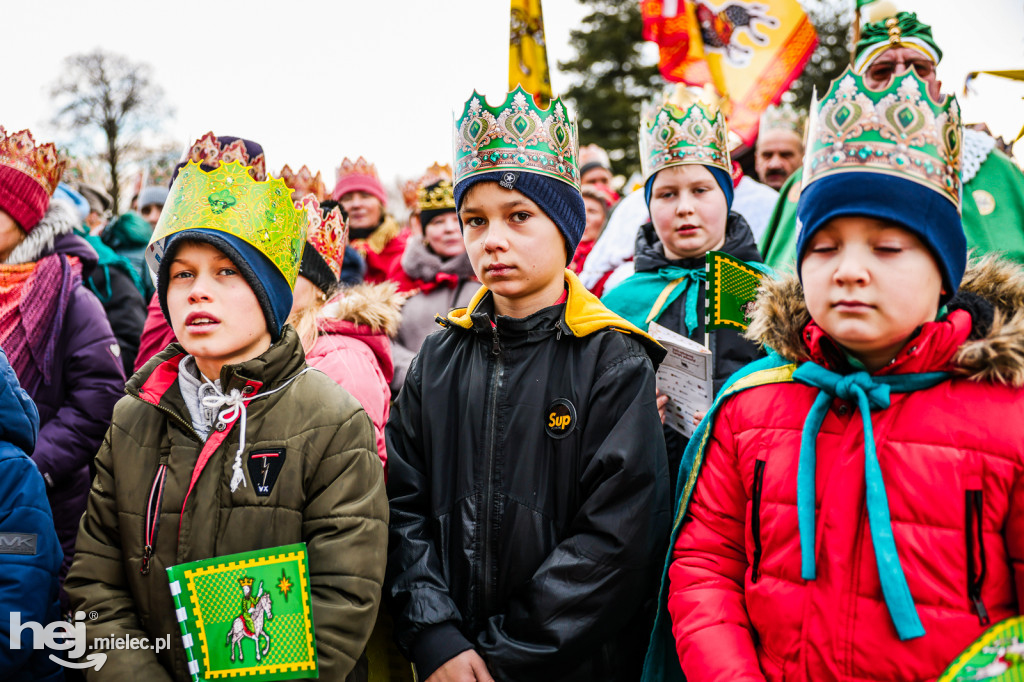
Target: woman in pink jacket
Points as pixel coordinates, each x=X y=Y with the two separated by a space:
x=852 y=507
x=346 y=337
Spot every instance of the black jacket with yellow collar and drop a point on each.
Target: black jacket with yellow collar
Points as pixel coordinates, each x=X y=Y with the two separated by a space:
x=529 y=493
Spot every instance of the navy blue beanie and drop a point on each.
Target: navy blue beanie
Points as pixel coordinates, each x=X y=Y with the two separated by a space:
x=262 y=276
x=723 y=179
x=919 y=209
x=559 y=200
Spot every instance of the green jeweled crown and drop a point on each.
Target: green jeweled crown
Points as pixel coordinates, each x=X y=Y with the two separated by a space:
x=517 y=135
x=685 y=128
x=898 y=131
x=228 y=200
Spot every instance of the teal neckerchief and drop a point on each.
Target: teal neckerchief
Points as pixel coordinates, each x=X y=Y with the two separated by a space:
x=867 y=392
x=643 y=297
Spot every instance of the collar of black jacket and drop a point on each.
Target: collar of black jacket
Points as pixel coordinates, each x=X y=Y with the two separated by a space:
x=739 y=241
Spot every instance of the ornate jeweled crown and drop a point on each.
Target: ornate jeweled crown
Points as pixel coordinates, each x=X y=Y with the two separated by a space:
x=228 y=200
x=783 y=117
x=899 y=131
x=328 y=234
x=517 y=134
x=358 y=167
x=685 y=128
x=411 y=188
x=43 y=163
x=211 y=152
x=437 y=196
x=303 y=182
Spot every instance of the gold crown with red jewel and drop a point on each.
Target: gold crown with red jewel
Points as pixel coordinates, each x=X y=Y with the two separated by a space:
x=358 y=167
x=41 y=162
x=327 y=234
x=211 y=152
x=303 y=182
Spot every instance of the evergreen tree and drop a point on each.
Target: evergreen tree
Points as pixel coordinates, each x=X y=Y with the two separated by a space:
x=611 y=80
x=831 y=19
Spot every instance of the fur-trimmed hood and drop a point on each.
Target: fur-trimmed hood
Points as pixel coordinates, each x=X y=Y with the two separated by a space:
x=55 y=233
x=376 y=306
x=992 y=291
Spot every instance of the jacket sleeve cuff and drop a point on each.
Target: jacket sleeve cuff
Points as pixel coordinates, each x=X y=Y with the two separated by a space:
x=435 y=646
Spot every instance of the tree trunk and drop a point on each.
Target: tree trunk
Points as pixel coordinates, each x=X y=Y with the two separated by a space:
x=112 y=158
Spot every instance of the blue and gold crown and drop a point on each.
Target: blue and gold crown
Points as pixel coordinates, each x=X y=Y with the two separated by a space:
x=684 y=127
x=898 y=131
x=517 y=135
x=228 y=200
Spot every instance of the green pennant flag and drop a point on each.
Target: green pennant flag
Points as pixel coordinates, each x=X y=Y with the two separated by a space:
x=996 y=656
x=247 y=616
x=731 y=289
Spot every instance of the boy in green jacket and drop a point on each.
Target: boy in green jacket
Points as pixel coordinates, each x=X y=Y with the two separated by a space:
x=183 y=473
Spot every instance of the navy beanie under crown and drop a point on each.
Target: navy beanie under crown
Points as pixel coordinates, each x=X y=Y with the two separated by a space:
x=262 y=276
x=921 y=210
x=723 y=179
x=559 y=200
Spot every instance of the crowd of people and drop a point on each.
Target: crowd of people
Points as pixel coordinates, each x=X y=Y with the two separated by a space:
x=463 y=406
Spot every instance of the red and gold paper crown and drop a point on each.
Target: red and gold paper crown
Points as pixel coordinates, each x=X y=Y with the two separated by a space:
x=43 y=163
x=328 y=234
x=304 y=182
x=358 y=167
x=411 y=188
x=211 y=152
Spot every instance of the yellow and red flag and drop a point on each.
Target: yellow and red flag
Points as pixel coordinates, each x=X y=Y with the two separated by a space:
x=750 y=51
x=527 y=51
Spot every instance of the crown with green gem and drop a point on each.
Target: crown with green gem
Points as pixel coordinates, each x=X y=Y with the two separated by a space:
x=517 y=135
x=898 y=131
x=687 y=127
x=228 y=200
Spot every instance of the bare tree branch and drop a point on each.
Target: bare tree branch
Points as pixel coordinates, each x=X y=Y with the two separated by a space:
x=100 y=91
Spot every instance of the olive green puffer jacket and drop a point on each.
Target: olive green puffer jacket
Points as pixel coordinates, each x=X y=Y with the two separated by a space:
x=329 y=493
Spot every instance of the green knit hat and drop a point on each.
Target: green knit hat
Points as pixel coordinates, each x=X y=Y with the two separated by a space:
x=902 y=30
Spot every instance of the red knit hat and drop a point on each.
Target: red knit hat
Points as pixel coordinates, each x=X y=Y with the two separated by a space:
x=360 y=176
x=28 y=176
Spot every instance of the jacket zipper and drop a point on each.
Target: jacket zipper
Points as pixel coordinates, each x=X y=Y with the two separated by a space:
x=156 y=493
x=975 y=571
x=489 y=499
x=755 y=517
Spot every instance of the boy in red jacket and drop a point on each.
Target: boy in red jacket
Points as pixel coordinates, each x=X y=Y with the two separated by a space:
x=856 y=511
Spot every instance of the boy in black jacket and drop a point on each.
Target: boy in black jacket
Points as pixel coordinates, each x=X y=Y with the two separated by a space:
x=528 y=480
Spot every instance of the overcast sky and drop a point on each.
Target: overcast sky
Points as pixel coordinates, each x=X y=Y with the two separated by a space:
x=314 y=81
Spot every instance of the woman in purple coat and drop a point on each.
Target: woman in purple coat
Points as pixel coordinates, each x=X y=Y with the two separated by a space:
x=53 y=329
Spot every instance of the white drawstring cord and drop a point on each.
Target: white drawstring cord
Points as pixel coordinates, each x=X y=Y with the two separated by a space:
x=231 y=406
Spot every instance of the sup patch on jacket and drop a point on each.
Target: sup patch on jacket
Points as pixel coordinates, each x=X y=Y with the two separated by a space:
x=560 y=418
x=264 y=467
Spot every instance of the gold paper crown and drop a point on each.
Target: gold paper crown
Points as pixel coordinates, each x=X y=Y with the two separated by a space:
x=411 y=188
x=437 y=196
x=782 y=117
x=42 y=163
x=516 y=135
x=246 y=582
x=228 y=200
x=328 y=234
x=211 y=152
x=304 y=182
x=898 y=131
x=685 y=128
x=358 y=167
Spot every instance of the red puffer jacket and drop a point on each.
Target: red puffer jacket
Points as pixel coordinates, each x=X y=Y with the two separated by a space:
x=952 y=459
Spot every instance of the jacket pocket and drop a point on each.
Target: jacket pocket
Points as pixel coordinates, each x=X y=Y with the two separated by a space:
x=974 y=533
x=755 y=513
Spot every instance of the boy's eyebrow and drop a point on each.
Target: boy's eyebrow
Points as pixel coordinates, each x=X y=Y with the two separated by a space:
x=505 y=206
